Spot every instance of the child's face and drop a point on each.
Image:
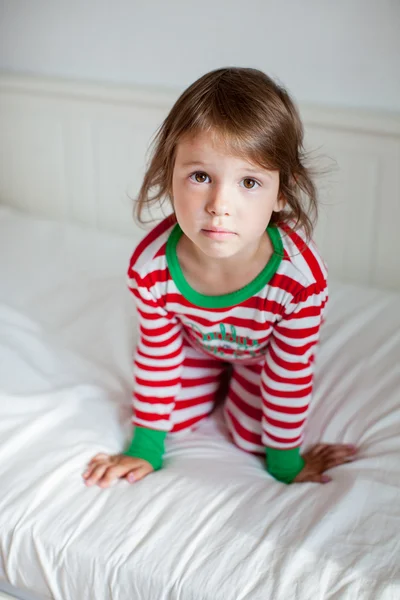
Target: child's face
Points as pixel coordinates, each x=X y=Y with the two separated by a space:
x=222 y=202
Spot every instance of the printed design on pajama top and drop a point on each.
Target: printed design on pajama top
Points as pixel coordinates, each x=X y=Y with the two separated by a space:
x=226 y=343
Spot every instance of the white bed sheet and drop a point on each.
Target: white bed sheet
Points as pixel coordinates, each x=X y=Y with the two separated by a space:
x=212 y=524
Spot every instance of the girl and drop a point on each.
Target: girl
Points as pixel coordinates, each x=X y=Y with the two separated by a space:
x=230 y=279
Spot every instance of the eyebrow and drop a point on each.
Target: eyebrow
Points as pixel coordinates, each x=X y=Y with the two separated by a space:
x=258 y=171
x=192 y=163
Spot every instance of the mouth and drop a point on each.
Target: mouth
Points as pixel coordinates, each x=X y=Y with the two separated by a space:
x=217 y=233
x=219 y=230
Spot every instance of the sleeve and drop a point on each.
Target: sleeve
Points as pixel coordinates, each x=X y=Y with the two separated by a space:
x=157 y=371
x=287 y=380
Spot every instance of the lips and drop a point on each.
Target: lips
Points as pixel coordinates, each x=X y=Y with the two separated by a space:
x=218 y=234
x=217 y=230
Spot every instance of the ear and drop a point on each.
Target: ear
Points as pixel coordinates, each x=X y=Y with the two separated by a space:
x=280 y=203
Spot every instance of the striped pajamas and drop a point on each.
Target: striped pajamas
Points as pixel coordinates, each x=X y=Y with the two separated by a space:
x=267 y=332
x=200 y=386
x=200 y=382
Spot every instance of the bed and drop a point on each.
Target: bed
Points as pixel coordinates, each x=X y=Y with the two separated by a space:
x=212 y=524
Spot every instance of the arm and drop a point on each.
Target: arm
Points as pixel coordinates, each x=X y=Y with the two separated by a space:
x=157 y=372
x=287 y=380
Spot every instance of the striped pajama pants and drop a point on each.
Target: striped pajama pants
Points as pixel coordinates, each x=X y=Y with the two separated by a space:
x=201 y=380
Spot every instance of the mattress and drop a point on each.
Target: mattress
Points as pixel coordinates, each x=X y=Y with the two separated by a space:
x=212 y=524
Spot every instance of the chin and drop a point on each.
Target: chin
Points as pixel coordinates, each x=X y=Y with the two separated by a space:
x=218 y=251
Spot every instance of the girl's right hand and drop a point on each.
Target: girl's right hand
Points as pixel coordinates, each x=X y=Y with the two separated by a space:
x=104 y=469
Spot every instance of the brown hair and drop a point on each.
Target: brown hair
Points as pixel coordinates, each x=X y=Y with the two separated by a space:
x=257 y=118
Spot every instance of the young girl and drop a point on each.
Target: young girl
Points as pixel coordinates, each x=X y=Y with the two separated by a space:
x=230 y=280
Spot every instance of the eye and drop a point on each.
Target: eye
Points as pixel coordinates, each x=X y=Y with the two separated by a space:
x=249 y=183
x=199 y=177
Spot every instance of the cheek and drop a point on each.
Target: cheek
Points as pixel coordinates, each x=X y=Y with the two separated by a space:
x=257 y=226
x=178 y=196
x=187 y=201
x=255 y=213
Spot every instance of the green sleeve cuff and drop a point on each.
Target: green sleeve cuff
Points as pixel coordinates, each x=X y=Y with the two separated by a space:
x=284 y=465
x=149 y=445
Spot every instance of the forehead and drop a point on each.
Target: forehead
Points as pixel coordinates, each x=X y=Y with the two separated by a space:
x=206 y=145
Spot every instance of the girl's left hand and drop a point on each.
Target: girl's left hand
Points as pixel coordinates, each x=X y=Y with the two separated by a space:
x=321 y=458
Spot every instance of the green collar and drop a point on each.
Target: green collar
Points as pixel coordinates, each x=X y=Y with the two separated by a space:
x=225 y=300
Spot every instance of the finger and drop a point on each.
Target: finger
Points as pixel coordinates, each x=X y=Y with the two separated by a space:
x=319 y=478
x=96 y=474
x=318 y=448
x=336 y=461
x=86 y=474
x=336 y=457
x=112 y=474
x=91 y=466
x=138 y=474
x=98 y=457
x=347 y=449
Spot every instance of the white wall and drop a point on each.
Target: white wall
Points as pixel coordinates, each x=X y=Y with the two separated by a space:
x=332 y=52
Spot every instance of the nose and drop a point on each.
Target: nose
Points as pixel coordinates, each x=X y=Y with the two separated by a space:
x=219 y=203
